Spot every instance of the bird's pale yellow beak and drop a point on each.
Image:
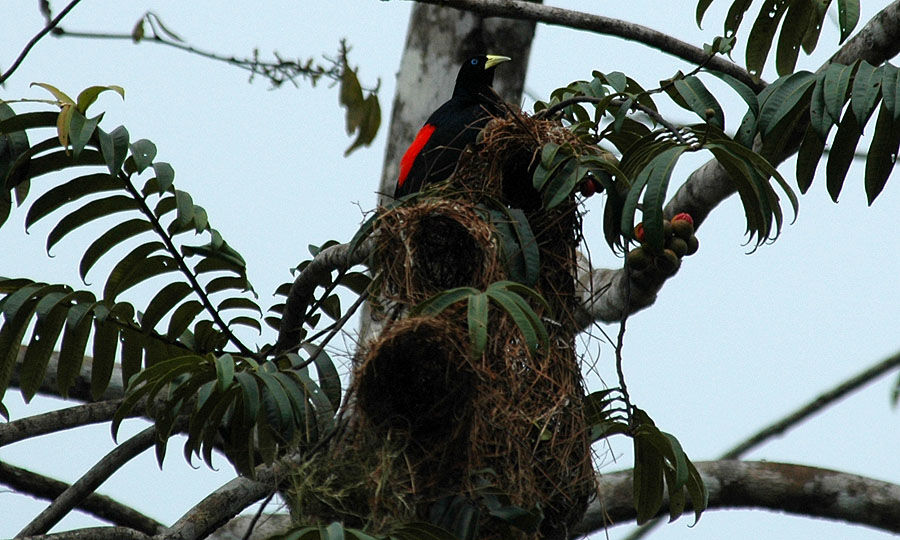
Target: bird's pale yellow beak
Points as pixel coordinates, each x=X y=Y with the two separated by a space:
x=493 y=60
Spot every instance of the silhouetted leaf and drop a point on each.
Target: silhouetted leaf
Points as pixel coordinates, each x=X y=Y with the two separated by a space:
x=848 y=17
x=882 y=154
x=108 y=240
x=114 y=147
x=91 y=211
x=762 y=34
x=841 y=154
x=67 y=192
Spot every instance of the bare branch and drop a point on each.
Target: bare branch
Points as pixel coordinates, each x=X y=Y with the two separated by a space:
x=50 y=26
x=105 y=508
x=709 y=185
x=91 y=480
x=317 y=272
x=277 y=72
x=53 y=421
x=795 y=489
x=529 y=11
x=92 y=533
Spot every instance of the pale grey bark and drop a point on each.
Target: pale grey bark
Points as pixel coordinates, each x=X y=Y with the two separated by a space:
x=795 y=489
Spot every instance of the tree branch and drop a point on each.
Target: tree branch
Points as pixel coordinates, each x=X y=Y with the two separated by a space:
x=53 y=421
x=46 y=30
x=91 y=480
x=795 y=489
x=92 y=533
x=602 y=290
x=105 y=508
x=529 y=11
x=317 y=272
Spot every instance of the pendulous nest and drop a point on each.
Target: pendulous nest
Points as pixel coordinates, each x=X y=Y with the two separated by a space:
x=430 y=420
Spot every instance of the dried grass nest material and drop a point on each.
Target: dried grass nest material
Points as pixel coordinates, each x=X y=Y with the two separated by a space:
x=431 y=246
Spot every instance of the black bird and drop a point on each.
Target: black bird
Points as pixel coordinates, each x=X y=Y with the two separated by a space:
x=433 y=154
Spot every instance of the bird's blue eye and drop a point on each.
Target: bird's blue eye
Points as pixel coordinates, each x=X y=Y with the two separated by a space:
x=474 y=61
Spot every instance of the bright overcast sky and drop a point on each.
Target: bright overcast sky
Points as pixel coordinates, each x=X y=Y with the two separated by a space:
x=734 y=342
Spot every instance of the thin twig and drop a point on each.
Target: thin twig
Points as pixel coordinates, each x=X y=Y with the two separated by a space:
x=52 y=24
x=256 y=516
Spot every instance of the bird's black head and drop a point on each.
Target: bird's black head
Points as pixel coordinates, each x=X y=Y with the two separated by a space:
x=477 y=73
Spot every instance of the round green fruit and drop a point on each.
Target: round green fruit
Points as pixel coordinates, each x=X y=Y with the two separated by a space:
x=692 y=245
x=638 y=259
x=683 y=229
x=677 y=245
x=668 y=263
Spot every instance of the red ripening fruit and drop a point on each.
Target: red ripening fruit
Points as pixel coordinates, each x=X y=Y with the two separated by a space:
x=639 y=232
x=588 y=188
x=684 y=216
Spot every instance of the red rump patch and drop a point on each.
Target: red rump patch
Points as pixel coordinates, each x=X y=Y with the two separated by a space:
x=413 y=151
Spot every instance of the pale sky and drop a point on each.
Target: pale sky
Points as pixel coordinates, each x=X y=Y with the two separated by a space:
x=734 y=342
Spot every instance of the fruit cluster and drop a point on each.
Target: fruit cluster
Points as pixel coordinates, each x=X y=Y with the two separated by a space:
x=679 y=241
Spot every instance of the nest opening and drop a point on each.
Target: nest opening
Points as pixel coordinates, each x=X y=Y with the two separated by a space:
x=448 y=255
x=416 y=379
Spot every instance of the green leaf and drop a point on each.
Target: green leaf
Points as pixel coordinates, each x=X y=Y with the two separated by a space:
x=142 y=154
x=443 y=300
x=865 y=91
x=277 y=405
x=10 y=122
x=91 y=211
x=137 y=266
x=224 y=372
x=185 y=206
x=74 y=342
x=677 y=498
x=761 y=35
x=51 y=311
x=697 y=491
x=746 y=93
x=882 y=154
x=68 y=192
x=811 y=38
x=183 y=317
x=702 y=6
x=796 y=25
x=81 y=130
x=89 y=95
x=165 y=175
x=841 y=154
x=808 y=156
x=848 y=17
x=735 y=16
x=789 y=95
x=819 y=118
x=163 y=302
x=114 y=147
x=890 y=89
x=57 y=161
x=648 y=479
x=106 y=338
x=523 y=316
x=478 y=323
x=329 y=379
x=837 y=85
x=57 y=93
x=132 y=352
x=249 y=396
x=108 y=240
